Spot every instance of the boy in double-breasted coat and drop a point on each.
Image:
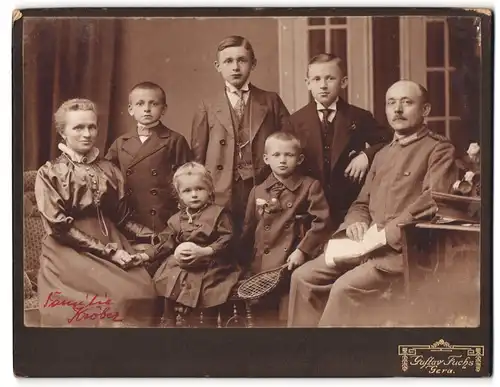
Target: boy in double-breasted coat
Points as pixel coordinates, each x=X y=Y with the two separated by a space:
x=334 y=135
x=148 y=158
x=287 y=217
x=229 y=131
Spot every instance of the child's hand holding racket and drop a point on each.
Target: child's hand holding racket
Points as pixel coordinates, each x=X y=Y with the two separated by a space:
x=296 y=259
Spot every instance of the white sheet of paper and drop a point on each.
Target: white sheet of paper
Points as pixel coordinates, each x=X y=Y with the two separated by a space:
x=345 y=249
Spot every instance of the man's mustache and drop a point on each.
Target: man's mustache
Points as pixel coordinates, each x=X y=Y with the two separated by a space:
x=397 y=118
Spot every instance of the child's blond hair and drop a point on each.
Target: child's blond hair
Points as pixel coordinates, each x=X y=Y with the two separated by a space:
x=283 y=136
x=194 y=168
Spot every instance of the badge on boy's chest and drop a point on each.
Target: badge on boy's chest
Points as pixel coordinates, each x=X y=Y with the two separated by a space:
x=270 y=206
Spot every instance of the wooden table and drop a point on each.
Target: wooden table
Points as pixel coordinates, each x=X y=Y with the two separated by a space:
x=432 y=247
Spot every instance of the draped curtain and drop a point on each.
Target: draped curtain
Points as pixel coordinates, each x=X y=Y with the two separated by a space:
x=64 y=58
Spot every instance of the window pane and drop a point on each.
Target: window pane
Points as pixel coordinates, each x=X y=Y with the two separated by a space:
x=339 y=43
x=435 y=86
x=457 y=136
x=316 y=21
x=338 y=20
x=435 y=44
x=437 y=127
x=316 y=42
x=457 y=93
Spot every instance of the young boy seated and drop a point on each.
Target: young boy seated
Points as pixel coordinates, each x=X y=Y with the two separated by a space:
x=278 y=209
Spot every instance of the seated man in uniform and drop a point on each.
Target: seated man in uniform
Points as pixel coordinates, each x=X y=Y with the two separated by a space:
x=397 y=187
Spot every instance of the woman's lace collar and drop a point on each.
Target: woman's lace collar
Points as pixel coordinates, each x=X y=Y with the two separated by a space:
x=90 y=157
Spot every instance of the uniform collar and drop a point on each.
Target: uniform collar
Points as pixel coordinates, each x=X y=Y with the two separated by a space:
x=333 y=105
x=291 y=183
x=411 y=138
x=88 y=158
x=231 y=89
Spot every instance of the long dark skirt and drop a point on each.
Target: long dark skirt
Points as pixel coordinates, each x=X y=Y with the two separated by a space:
x=79 y=289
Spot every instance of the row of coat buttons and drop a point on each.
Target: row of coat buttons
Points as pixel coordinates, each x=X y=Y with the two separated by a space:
x=154 y=172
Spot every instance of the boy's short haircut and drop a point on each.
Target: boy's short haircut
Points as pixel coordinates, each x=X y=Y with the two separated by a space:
x=236 y=41
x=150 y=86
x=325 y=58
x=284 y=136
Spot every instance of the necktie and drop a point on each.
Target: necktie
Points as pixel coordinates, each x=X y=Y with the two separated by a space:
x=239 y=107
x=325 y=113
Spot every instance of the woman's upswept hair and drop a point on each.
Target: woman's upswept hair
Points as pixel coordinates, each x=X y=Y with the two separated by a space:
x=194 y=168
x=74 y=104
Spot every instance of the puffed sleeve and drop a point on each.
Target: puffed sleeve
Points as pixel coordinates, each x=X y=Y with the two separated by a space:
x=52 y=198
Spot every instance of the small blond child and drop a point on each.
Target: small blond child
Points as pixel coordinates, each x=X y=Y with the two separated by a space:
x=198 y=272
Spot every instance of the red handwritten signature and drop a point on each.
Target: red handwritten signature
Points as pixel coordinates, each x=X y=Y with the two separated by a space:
x=95 y=309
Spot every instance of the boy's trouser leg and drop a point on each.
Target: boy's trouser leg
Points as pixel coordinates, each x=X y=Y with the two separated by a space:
x=241 y=191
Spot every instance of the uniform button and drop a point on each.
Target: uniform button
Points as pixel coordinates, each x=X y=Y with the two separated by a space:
x=154 y=172
x=91 y=174
x=289 y=205
x=266 y=251
x=267 y=228
x=152 y=212
x=84 y=160
x=129 y=172
x=220 y=167
x=285 y=249
x=154 y=192
x=222 y=142
x=327 y=147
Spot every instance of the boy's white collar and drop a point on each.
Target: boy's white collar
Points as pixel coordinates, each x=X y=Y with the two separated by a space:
x=333 y=105
x=141 y=127
x=233 y=89
x=87 y=158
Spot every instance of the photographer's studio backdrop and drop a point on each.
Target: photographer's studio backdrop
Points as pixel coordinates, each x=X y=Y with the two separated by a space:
x=102 y=58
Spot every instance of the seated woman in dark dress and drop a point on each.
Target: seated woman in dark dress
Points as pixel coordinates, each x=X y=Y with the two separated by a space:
x=89 y=274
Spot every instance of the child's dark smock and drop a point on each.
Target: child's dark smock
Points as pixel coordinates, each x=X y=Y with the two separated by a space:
x=210 y=283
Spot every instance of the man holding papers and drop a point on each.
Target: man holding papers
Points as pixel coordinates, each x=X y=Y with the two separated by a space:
x=364 y=256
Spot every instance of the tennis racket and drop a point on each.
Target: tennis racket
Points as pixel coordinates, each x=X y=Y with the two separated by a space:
x=262 y=283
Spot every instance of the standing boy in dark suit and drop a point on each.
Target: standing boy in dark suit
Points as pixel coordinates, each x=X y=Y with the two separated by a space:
x=148 y=156
x=334 y=135
x=229 y=131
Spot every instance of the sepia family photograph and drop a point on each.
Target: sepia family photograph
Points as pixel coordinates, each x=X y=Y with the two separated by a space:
x=252 y=171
